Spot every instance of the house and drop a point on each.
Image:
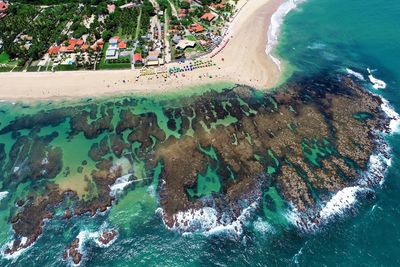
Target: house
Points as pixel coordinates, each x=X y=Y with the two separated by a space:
x=114 y=45
x=3 y=6
x=153 y=58
x=110 y=8
x=70 y=45
x=208 y=16
x=137 y=59
x=122 y=45
x=130 y=5
x=196 y=28
x=112 y=54
x=218 y=6
x=183 y=44
x=176 y=39
x=53 y=50
x=85 y=48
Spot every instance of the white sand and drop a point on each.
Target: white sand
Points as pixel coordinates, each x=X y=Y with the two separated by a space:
x=243 y=60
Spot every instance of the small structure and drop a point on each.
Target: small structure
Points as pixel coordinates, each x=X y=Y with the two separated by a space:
x=113 y=47
x=70 y=45
x=3 y=6
x=53 y=51
x=110 y=8
x=153 y=58
x=137 y=59
x=183 y=44
x=208 y=16
x=176 y=39
x=196 y=28
x=112 y=54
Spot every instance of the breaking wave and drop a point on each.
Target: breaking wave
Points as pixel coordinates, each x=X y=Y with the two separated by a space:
x=208 y=221
x=376 y=83
x=3 y=194
x=274 y=28
x=355 y=74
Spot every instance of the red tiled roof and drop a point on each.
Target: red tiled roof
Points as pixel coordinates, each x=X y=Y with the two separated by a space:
x=117 y=38
x=208 y=16
x=122 y=45
x=221 y=5
x=84 y=47
x=3 y=6
x=79 y=42
x=100 y=42
x=196 y=28
x=53 y=50
x=137 y=57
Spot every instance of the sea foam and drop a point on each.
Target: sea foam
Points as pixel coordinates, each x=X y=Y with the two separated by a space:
x=275 y=25
x=208 y=221
x=376 y=83
x=355 y=74
x=3 y=194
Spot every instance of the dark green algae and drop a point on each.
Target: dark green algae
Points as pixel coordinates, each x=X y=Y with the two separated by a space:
x=62 y=156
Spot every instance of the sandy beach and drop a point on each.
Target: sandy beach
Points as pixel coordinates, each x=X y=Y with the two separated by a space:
x=242 y=60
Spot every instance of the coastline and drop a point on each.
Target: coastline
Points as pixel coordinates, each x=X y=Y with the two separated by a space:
x=242 y=61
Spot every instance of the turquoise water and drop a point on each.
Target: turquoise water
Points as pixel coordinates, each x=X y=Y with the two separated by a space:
x=321 y=35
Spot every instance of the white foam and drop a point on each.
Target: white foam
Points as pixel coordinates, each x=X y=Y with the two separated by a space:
x=341 y=201
x=376 y=83
x=355 y=74
x=120 y=184
x=3 y=194
x=86 y=236
x=208 y=221
x=395 y=117
x=263 y=227
x=275 y=25
x=17 y=253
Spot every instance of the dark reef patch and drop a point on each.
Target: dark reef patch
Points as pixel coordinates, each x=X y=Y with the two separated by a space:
x=223 y=150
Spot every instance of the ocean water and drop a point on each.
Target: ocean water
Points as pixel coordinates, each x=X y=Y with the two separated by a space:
x=319 y=35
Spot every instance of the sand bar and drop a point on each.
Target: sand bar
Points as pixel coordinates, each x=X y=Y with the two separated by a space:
x=242 y=60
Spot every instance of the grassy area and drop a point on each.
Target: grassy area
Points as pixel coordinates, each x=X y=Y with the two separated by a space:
x=198 y=47
x=65 y=67
x=8 y=69
x=4 y=58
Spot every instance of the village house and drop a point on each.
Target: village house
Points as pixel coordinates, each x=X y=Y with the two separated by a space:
x=196 y=28
x=3 y=9
x=137 y=59
x=183 y=44
x=208 y=17
x=115 y=44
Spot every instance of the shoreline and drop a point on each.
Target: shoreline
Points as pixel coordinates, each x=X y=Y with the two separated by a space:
x=243 y=60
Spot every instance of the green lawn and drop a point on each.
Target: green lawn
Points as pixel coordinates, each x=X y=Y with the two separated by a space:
x=4 y=58
x=198 y=47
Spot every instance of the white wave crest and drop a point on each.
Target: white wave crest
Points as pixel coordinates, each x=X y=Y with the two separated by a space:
x=376 y=83
x=3 y=194
x=341 y=201
x=17 y=253
x=263 y=227
x=355 y=74
x=120 y=184
x=208 y=221
x=275 y=25
x=391 y=113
